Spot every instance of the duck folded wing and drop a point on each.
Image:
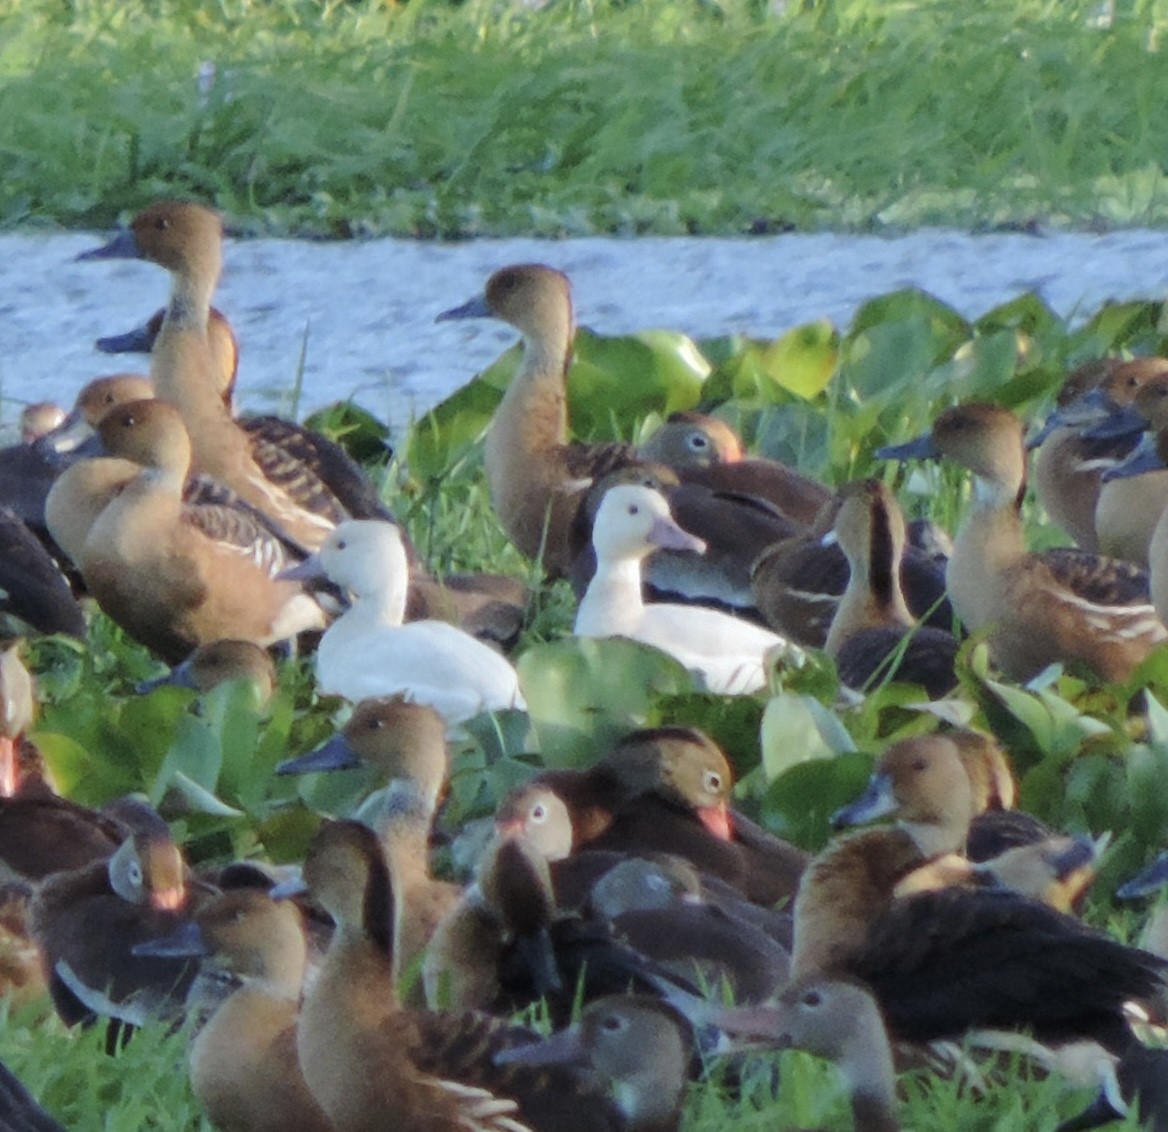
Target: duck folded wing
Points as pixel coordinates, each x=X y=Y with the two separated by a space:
x=1105 y=581
x=245 y=530
x=947 y=961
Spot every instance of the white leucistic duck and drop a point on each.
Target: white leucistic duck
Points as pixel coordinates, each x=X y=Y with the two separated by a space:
x=728 y=655
x=369 y=652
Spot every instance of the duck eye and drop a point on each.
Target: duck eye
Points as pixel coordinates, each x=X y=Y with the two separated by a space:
x=634 y=509
x=341 y=544
x=697 y=442
x=613 y=1024
x=134 y=872
x=162 y=223
x=920 y=764
x=539 y=812
x=812 y=998
x=713 y=781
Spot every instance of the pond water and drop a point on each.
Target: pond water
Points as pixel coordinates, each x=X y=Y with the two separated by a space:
x=363 y=312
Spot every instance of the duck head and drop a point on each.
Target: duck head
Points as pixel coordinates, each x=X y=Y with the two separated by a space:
x=358 y=555
x=681 y=764
x=148 y=869
x=526 y=295
x=181 y=236
x=346 y=874
x=693 y=440
x=220 y=662
x=632 y=521
x=150 y=433
x=537 y=813
x=924 y=784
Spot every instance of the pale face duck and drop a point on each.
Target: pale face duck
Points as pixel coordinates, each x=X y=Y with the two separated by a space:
x=705 y=450
x=174 y=576
x=1036 y=611
x=873 y=636
x=370 y=1063
x=735 y=529
x=368 y=652
x=536 y=476
x=728 y=654
x=243 y=1063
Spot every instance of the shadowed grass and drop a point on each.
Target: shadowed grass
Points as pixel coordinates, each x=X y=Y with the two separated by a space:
x=661 y=115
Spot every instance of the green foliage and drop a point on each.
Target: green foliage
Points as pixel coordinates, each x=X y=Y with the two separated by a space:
x=496 y=116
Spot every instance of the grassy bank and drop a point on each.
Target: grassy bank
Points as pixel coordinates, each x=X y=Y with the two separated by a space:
x=496 y=117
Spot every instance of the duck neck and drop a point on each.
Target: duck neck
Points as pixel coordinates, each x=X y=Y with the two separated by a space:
x=990 y=541
x=873 y=598
x=613 y=603
x=191 y=291
x=387 y=605
x=867 y=1064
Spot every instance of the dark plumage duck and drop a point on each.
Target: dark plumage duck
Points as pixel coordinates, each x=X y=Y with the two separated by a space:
x=1071 y=608
x=536 y=475
x=87 y=921
x=706 y=451
x=19 y=1111
x=873 y=636
x=243 y=1062
x=370 y=1063
x=666 y=790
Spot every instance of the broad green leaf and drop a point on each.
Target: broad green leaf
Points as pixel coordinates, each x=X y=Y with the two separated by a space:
x=797 y=728
x=197 y=799
x=804 y=360
x=583 y=693
x=798 y=804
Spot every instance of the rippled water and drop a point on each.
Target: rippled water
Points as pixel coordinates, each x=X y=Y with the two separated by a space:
x=364 y=311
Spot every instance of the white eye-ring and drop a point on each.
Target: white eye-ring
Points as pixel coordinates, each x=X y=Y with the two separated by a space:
x=538 y=813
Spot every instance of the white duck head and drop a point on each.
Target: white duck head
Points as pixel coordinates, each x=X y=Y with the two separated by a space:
x=632 y=521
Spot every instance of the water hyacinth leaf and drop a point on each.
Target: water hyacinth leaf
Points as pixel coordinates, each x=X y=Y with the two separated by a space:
x=883 y=361
x=804 y=360
x=197 y=799
x=798 y=804
x=355 y=429
x=583 y=693
x=1134 y=326
x=797 y=728
x=286 y=833
x=81 y=775
x=615 y=380
x=943 y=326
x=1027 y=312
x=196 y=754
x=1147 y=771
x=980 y=370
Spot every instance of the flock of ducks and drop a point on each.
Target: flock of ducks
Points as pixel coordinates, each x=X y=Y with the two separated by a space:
x=629 y=898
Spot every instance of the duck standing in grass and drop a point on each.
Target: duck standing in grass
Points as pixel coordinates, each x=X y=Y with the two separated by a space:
x=369 y=652
x=536 y=476
x=1065 y=607
x=728 y=655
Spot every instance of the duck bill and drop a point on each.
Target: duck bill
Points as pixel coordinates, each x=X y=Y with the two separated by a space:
x=748 y=1027
x=475 y=308
x=123 y=246
x=922 y=448
x=1145 y=458
x=289 y=889
x=168 y=899
x=186 y=943
x=877 y=801
x=140 y=340
x=310 y=570
x=667 y=535
x=1150 y=881
x=9 y=769
x=564 y=1048
x=716 y=819
x=1102 y=1110
x=336 y=753
x=180 y=676
x=1117 y=423
x=67 y=437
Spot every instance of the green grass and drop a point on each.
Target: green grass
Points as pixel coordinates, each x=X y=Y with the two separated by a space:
x=585 y=116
